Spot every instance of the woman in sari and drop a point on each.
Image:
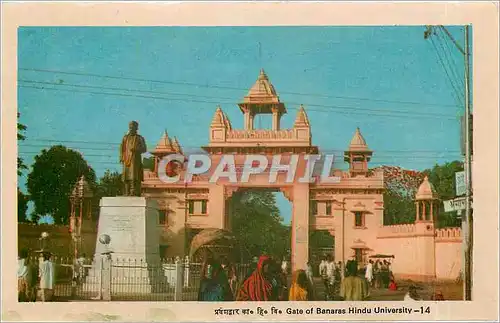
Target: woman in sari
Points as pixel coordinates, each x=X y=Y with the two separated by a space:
x=214 y=285
x=26 y=278
x=299 y=291
x=258 y=287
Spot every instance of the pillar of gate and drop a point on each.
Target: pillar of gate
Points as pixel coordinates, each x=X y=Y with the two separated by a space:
x=300 y=226
x=217 y=206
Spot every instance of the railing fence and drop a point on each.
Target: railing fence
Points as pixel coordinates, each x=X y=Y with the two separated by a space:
x=128 y=279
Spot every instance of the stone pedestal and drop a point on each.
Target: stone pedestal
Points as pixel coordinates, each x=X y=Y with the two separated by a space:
x=135 y=266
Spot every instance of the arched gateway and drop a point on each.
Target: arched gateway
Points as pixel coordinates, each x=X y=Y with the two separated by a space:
x=350 y=208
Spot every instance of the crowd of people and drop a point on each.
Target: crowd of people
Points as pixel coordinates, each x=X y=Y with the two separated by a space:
x=266 y=280
x=35 y=281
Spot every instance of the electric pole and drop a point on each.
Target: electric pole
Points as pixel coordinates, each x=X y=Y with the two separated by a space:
x=467 y=129
x=468 y=173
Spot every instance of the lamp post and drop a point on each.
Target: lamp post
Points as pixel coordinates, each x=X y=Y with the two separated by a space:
x=43 y=240
x=104 y=269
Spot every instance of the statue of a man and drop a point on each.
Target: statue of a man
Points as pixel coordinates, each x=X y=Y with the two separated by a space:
x=131 y=148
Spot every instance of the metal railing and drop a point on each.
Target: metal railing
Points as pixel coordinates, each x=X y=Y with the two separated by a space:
x=128 y=280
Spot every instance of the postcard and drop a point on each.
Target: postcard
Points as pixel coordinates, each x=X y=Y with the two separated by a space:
x=250 y=161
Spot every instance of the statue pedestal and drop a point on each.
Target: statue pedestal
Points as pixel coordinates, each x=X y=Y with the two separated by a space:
x=135 y=266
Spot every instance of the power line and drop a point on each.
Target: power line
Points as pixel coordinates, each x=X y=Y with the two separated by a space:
x=448 y=57
x=409 y=157
x=325 y=149
x=379 y=112
x=227 y=87
x=454 y=89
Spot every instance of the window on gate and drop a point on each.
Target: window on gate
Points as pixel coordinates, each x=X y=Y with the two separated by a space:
x=358 y=219
x=204 y=207
x=313 y=207
x=191 y=207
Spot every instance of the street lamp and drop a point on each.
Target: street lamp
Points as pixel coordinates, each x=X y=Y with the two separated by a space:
x=43 y=240
x=105 y=239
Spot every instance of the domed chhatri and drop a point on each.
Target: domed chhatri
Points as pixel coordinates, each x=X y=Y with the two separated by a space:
x=426 y=191
x=358 y=155
x=358 y=142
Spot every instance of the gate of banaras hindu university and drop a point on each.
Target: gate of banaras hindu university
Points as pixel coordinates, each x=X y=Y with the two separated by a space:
x=349 y=208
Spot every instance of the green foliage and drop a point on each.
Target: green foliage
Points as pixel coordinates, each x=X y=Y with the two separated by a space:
x=443 y=179
x=111 y=184
x=257 y=225
x=398 y=209
x=21 y=128
x=319 y=239
x=399 y=203
x=148 y=163
x=52 y=180
x=22 y=206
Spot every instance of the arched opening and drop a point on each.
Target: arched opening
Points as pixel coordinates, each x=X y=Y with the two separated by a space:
x=260 y=220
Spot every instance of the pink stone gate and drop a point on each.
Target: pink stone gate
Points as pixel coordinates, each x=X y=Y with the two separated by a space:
x=351 y=209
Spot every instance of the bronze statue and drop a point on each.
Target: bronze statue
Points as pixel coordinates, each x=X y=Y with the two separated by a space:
x=131 y=148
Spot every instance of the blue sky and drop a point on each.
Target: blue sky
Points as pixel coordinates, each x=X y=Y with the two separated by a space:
x=388 y=81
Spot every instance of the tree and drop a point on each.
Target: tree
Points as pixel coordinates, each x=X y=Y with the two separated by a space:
x=321 y=239
x=257 y=224
x=148 y=163
x=22 y=206
x=111 y=184
x=399 y=198
x=22 y=199
x=443 y=179
x=21 y=128
x=402 y=185
x=52 y=179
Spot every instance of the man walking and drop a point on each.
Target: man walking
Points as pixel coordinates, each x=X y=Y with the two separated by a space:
x=330 y=273
x=323 y=273
x=46 y=278
x=369 y=273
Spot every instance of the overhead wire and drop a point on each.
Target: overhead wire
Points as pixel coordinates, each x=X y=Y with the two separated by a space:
x=228 y=87
x=338 y=109
x=454 y=89
x=448 y=58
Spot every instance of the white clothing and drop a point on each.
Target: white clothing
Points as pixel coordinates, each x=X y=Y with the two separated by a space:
x=408 y=298
x=47 y=275
x=309 y=273
x=80 y=266
x=322 y=268
x=22 y=269
x=284 y=266
x=369 y=272
x=330 y=269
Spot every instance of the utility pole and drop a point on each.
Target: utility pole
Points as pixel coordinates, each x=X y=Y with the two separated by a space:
x=468 y=173
x=467 y=218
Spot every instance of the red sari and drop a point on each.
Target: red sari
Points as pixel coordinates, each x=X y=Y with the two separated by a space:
x=256 y=287
x=392 y=285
